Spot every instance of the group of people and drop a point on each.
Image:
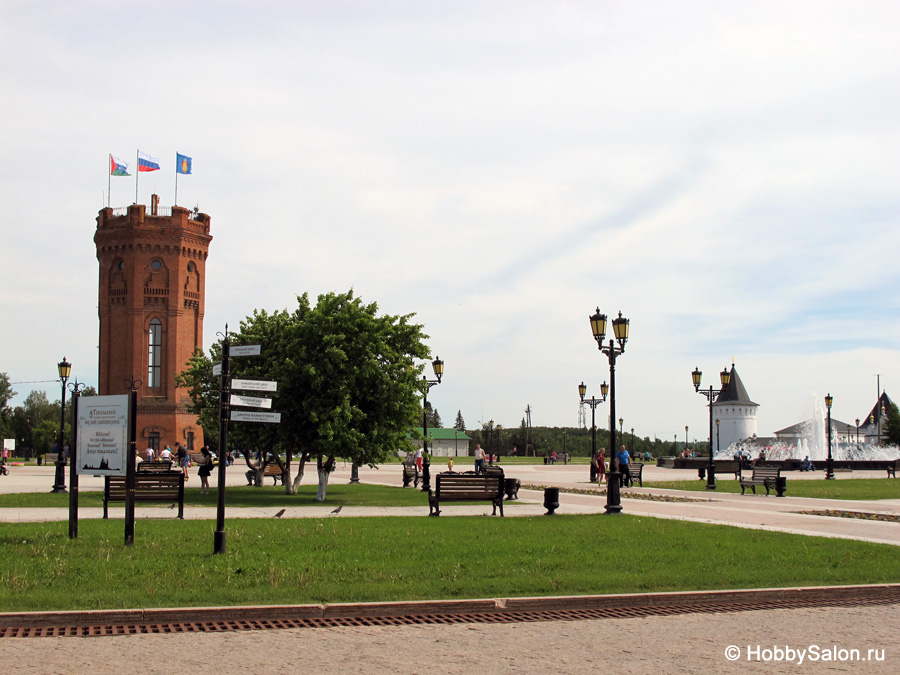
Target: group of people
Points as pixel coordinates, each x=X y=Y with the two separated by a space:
x=183 y=460
x=599 y=467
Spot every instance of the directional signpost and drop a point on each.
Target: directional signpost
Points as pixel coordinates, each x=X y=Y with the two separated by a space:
x=228 y=399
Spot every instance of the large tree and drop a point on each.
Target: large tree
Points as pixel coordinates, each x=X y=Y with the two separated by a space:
x=892 y=424
x=348 y=383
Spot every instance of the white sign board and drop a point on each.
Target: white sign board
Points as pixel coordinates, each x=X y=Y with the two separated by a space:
x=217 y=370
x=102 y=435
x=249 y=416
x=245 y=350
x=251 y=401
x=254 y=385
x=9 y=444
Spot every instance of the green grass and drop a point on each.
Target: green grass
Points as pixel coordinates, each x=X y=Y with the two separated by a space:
x=850 y=488
x=345 y=494
x=337 y=559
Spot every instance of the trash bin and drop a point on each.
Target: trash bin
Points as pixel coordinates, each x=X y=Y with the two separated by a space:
x=551 y=500
x=780 y=486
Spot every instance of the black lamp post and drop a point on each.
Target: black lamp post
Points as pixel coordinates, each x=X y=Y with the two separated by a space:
x=632 y=442
x=717 y=435
x=438 y=366
x=612 y=351
x=685 y=437
x=499 y=444
x=710 y=394
x=593 y=402
x=76 y=388
x=65 y=369
x=857 y=434
x=829 y=463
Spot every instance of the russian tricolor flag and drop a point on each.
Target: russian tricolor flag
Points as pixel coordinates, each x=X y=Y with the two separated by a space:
x=146 y=162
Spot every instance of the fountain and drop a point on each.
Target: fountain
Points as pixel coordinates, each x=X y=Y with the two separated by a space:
x=813 y=442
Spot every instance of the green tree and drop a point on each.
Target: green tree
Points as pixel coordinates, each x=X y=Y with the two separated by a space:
x=460 y=423
x=892 y=424
x=6 y=413
x=348 y=385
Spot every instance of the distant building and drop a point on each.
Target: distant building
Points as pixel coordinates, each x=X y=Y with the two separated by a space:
x=444 y=442
x=735 y=413
x=151 y=304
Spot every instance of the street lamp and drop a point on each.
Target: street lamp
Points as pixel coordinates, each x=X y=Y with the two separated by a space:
x=717 y=435
x=612 y=351
x=829 y=463
x=632 y=442
x=438 y=367
x=857 y=434
x=685 y=437
x=710 y=394
x=65 y=369
x=593 y=402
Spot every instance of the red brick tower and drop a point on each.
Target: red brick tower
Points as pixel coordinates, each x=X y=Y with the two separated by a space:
x=151 y=304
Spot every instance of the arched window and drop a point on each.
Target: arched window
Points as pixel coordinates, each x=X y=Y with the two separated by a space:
x=155 y=354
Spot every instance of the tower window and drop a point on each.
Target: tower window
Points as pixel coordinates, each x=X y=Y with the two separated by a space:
x=156 y=264
x=155 y=354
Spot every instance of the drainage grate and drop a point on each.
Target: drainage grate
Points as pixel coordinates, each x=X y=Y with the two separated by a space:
x=419 y=619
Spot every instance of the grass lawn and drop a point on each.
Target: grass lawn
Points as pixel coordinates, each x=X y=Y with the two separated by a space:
x=336 y=559
x=850 y=488
x=344 y=494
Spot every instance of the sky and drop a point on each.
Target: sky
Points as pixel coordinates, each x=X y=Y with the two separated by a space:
x=723 y=174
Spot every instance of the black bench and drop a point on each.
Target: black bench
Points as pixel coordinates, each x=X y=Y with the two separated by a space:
x=410 y=475
x=467 y=487
x=768 y=477
x=634 y=471
x=154 y=466
x=148 y=487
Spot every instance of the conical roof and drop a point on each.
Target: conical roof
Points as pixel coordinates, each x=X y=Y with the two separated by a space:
x=734 y=391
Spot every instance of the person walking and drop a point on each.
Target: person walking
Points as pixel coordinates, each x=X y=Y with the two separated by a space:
x=623 y=458
x=205 y=470
x=479 y=459
x=419 y=460
x=183 y=460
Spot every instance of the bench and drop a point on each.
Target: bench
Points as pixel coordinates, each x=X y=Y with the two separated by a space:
x=148 y=487
x=467 y=487
x=272 y=471
x=51 y=457
x=767 y=476
x=155 y=466
x=892 y=468
x=728 y=466
x=634 y=471
x=410 y=475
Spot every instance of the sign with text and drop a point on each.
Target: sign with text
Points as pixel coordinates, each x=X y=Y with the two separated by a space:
x=102 y=435
x=245 y=350
x=250 y=416
x=9 y=444
x=217 y=370
x=251 y=401
x=254 y=385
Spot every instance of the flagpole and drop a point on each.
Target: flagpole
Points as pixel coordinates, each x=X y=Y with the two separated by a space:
x=137 y=173
x=108 y=180
x=176 y=179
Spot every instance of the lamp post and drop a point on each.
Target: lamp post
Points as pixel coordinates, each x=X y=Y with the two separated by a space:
x=499 y=445
x=593 y=402
x=710 y=394
x=829 y=463
x=685 y=437
x=438 y=366
x=64 y=368
x=76 y=388
x=612 y=351
x=857 y=434
x=632 y=442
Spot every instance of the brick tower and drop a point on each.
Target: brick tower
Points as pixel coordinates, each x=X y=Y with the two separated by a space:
x=151 y=304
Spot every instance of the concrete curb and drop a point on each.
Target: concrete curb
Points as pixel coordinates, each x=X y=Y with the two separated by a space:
x=140 y=617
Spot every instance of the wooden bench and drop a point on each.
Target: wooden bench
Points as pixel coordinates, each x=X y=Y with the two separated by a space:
x=467 y=487
x=272 y=471
x=728 y=466
x=892 y=468
x=766 y=476
x=410 y=475
x=635 y=471
x=155 y=466
x=148 y=487
x=510 y=485
x=51 y=457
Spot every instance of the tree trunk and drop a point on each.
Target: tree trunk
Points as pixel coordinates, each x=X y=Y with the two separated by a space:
x=292 y=487
x=324 y=470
